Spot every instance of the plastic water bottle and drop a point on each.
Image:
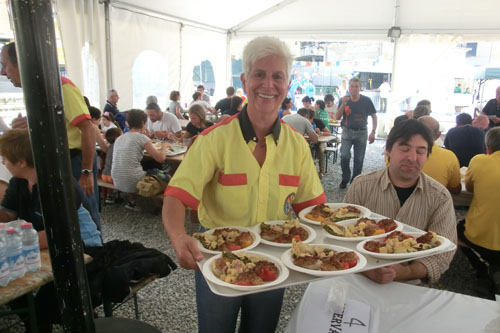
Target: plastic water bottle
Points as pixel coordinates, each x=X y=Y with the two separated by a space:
x=31 y=249
x=15 y=254
x=4 y=265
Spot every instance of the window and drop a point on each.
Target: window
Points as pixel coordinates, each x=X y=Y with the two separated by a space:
x=149 y=77
x=90 y=77
x=204 y=74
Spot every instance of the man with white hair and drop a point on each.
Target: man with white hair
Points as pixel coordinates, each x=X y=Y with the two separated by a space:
x=111 y=102
x=249 y=168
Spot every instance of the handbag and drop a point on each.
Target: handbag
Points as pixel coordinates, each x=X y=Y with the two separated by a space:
x=151 y=185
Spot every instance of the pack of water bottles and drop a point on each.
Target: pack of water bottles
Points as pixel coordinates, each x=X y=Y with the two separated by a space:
x=19 y=251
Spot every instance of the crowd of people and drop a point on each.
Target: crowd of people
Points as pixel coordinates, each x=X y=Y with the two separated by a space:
x=255 y=166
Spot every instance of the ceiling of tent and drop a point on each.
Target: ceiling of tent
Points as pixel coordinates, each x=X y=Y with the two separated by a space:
x=329 y=17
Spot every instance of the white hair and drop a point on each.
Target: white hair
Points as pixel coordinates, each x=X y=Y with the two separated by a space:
x=262 y=47
x=151 y=99
x=110 y=92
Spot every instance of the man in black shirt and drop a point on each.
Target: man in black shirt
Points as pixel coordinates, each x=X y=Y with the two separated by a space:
x=492 y=109
x=225 y=103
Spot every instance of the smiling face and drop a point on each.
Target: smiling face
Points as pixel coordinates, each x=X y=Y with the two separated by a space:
x=406 y=160
x=266 y=85
x=10 y=70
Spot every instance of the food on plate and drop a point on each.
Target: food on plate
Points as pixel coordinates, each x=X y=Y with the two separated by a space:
x=362 y=228
x=398 y=242
x=244 y=269
x=321 y=258
x=322 y=213
x=225 y=239
x=283 y=233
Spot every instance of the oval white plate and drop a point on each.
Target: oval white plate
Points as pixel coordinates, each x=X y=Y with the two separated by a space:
x=445 y=242
x=209 y=275
x=255 y=235
x=345 y=223
x=310 y=231
x=365 y=212
x=287 y=259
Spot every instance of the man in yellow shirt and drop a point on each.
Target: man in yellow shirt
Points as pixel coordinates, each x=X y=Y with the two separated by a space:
x=247 y=169
x=442 y=164
x=481 y=228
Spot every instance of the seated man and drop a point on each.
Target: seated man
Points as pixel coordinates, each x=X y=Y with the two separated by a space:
x=162 y=125
x=481 y=228
x=465 y=140
x=225 y=103
x=301 y=122
x=442 y=164
x=403 y=192
x=320 y=129
x=482 y=122
x=21 y=199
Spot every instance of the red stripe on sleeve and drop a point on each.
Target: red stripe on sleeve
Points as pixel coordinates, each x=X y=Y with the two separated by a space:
x=183 y=195
x=80 y=118
x=316 y=201
x=289 y=180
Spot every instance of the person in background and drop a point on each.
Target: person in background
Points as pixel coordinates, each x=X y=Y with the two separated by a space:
x=229 y=187
x=204 y=97
x=467 y=90
x=111 y=135
x=162 y=125
x=128 y=152
x=401 y=191
x=198 y=121
x=321 y=113
x=465 y=140
x=421 y=111
x=236 y=107
x=399 y=119
x=492 y=109
x=425 y=102
x=108 y=121
x=95 y=113
x=481 y=229
x=482 y=122
x=205 y=105
x=442 y=164
x=151 y=99
x=225 y=104
x=458 y=89
x=307 y=102
x=330 y=106
x=354 y=111
x=79 y=127
x=319 y=147
x=111 y=103
x=302 y=123
x=175 y=107
x=384 y=89
x=286 y=107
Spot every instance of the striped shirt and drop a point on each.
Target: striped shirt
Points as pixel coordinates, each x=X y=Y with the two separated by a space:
x=429 y=207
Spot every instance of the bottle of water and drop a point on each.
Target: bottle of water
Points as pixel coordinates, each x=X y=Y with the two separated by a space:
x=4 y=265
x=31 y=249
x=15 y=254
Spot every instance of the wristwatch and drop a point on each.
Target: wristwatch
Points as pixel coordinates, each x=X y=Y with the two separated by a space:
x=86 y=172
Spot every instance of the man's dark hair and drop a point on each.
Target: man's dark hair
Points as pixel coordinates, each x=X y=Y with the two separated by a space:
x=329 y=98
x=424 y=102
x=153 y=106
x=95 y=113
x=174 y=95
x=306 y=99
x=321 y=104
x=464 y=119
x=136 y=118
x=405 y=130
x=235 y=103
x=304 y=112
x=310 y=114
x=420 y=111
x=399 y=119
x=11 y=52
x=196 y=95
x=112 y=134
x=200 y=87
x=230 y=91
x=87 y=102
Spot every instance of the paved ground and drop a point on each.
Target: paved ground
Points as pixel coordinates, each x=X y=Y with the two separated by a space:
x=169 y=303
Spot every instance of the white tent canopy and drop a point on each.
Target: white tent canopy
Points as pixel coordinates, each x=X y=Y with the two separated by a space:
x=181 y=34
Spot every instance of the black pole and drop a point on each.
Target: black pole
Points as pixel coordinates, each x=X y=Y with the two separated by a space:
x=37 y=59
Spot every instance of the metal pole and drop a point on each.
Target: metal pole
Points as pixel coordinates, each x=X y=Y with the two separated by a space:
x=37 y=59
x=107 y=27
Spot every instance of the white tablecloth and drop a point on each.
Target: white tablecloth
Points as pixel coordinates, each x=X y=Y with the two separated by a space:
x=395 y=307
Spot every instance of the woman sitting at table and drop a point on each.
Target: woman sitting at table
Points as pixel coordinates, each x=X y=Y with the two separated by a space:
x=198 y=121
x=128 y=151
x=236 y=107
x=286 y=106
x=175 y=106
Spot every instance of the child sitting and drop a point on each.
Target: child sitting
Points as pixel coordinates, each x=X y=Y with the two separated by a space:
x=111 y=135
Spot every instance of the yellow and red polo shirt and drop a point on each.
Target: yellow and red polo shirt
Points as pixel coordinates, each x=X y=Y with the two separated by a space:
x=221 y=178
x=482 y=226
x=75 y=111
x=443 y=166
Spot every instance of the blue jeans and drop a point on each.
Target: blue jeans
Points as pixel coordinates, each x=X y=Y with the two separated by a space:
x=357 y=139
x=259 y=312
x=76 y=170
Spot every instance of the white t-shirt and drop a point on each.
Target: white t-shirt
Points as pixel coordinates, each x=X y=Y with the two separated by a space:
x=168 y=123
x=384 y=90
x=105 y=128
x=5 y=175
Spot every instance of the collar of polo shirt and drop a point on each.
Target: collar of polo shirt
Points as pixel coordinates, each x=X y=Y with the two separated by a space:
x=248 y=131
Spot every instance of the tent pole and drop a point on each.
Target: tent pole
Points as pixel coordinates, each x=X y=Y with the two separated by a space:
x=107 y=27
x=229 y=74
x=37 y=60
